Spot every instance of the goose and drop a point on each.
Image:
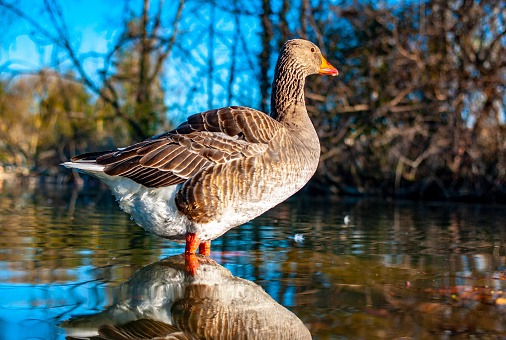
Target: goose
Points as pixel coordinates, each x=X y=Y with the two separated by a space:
x=221 y=168
x=163 y=301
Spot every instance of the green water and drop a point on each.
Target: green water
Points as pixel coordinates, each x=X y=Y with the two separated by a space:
x=347 y=268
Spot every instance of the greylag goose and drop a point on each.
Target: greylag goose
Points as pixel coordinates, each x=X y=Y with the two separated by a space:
x=220 y=168
x=162 y=301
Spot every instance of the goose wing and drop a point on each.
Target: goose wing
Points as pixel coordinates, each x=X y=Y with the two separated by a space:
x=205 y=139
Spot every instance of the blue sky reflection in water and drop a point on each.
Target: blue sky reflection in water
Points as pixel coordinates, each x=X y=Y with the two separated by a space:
x=397 y=269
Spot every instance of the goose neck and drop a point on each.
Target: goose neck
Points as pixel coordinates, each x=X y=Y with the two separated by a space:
x=287 y=97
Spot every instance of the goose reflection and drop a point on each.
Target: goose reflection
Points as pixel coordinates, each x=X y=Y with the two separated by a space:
x=162 y=301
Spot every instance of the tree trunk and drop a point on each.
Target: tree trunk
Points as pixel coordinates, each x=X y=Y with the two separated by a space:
x=265 y=80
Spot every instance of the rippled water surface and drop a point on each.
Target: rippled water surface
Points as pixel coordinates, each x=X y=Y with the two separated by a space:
x=73 y=263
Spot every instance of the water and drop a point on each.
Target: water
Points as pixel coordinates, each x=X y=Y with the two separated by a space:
x=345 y=268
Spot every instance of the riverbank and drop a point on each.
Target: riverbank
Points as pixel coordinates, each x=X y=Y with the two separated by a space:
x=431 y=189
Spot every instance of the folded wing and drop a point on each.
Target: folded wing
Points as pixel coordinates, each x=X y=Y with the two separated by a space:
x=205 y=139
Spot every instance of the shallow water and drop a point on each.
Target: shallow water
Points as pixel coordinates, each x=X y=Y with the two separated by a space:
x=346 y=268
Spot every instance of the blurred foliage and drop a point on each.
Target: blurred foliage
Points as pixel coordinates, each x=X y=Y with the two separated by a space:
x=148 y=112
x=44 y=117
x=417 y=111
x=67 y=113
x=421 y=107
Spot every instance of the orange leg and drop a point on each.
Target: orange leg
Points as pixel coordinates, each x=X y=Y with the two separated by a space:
x=191 y=261
x=205 y=248
x=192 y=243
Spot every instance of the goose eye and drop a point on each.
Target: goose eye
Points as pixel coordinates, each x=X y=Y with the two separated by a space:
x=312 y=49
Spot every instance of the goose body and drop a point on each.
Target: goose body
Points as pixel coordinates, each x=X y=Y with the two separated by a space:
x=220 y=168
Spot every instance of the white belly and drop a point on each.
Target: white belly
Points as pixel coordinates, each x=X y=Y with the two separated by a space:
x=152 y=208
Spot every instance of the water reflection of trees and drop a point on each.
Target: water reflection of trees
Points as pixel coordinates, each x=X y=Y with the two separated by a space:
x=342 y=279
x=45 y=239
x=390 y=297
x=358 y=275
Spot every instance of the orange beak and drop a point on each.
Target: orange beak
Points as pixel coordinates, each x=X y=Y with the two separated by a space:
x=326 y=68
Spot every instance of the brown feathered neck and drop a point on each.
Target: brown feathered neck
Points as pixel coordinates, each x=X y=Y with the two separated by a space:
x=287 y=97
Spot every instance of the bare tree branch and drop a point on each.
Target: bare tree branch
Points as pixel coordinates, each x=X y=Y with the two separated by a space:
x=170 y=44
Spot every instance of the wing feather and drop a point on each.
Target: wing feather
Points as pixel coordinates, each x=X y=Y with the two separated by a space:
x=161 y=155
x=206 y=139
x=121 y=167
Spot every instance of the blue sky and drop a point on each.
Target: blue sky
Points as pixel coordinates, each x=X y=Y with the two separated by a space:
x=89 y=23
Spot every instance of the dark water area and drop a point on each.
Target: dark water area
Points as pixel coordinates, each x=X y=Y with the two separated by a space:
x=72 y=262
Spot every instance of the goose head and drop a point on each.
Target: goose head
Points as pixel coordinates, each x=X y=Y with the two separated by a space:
x=305 y=57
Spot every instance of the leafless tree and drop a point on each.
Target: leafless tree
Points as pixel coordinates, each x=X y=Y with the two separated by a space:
x=154 y=43
x=265 y=55
x=420 y=109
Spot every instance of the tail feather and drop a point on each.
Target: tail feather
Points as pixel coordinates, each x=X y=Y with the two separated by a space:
x=85 y=166
x=86 y=163
x=90 y=156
